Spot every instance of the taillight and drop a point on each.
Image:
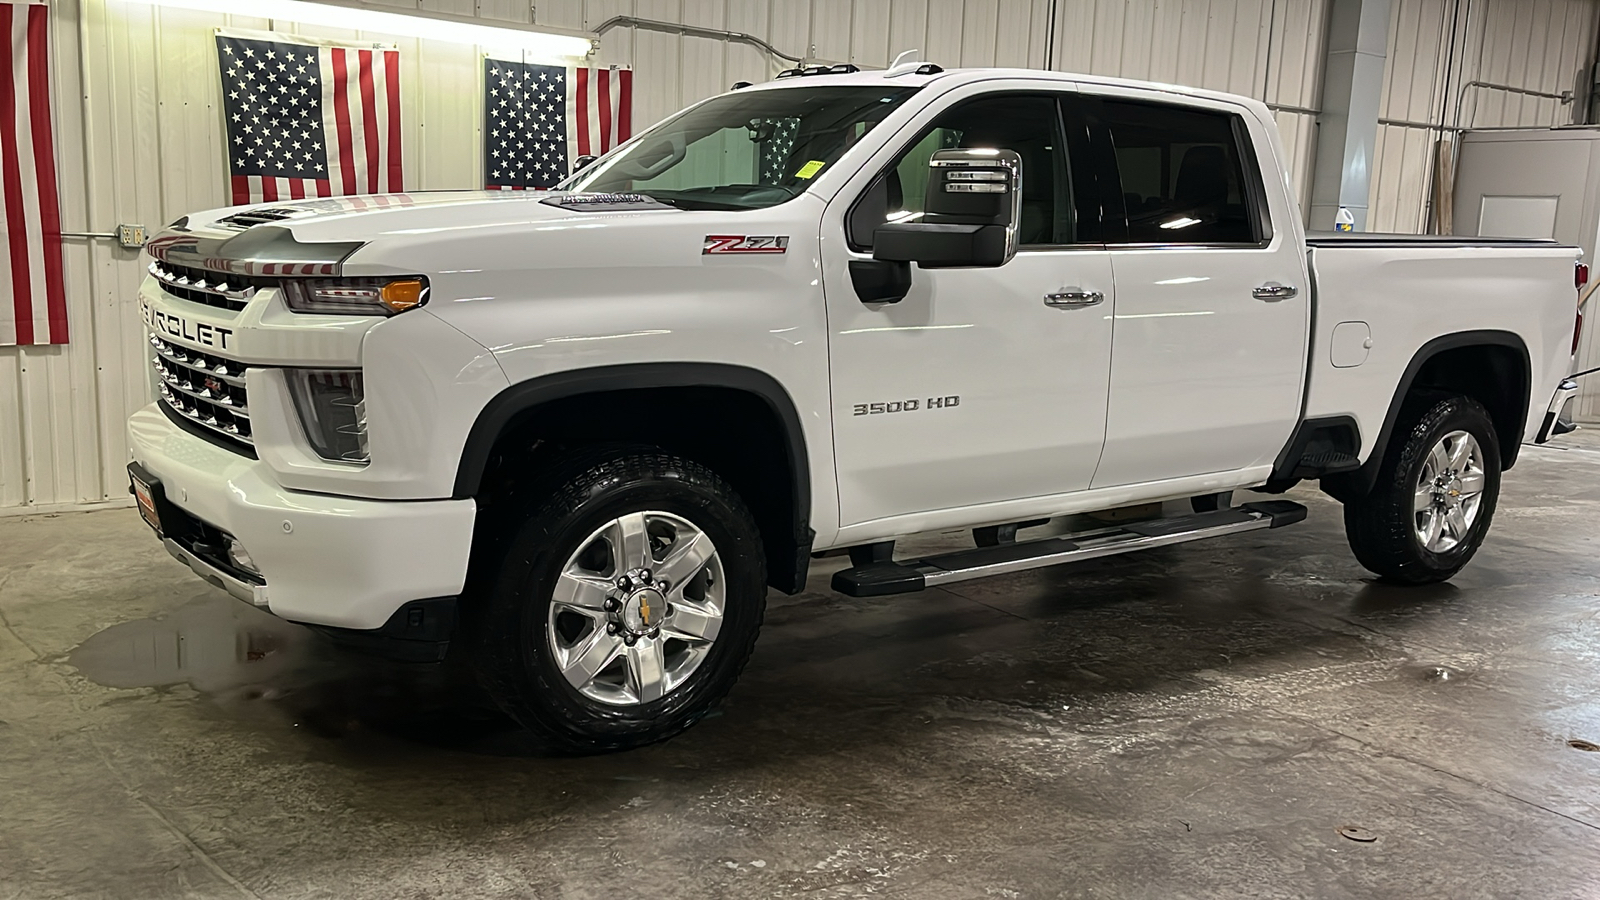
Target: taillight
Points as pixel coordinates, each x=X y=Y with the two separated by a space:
x=1580 y=277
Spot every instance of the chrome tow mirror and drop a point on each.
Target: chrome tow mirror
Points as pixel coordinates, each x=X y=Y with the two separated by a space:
x=970 y=213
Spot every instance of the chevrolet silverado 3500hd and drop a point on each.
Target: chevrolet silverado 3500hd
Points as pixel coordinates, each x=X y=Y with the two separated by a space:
x=579 y=433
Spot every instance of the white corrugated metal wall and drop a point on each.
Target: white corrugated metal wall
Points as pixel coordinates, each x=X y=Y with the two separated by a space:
x=1267 y=49
x=140 y=134
x=1436 y=49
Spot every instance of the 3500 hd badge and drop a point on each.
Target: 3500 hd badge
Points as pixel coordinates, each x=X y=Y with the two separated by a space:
x=894 y=406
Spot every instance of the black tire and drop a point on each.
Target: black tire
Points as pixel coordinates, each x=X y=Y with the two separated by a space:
x=506 y=629
x=1381 y=525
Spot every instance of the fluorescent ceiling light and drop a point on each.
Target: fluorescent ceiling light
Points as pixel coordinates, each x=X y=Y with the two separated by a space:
x=438 y=26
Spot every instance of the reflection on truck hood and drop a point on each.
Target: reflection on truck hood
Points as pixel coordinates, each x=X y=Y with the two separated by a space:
x=368 y=215
x=314 y=236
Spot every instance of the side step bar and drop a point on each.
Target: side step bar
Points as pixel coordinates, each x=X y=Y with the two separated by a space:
x=879 y=579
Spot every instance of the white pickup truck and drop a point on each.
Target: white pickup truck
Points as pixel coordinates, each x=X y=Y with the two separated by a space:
x=579 y=433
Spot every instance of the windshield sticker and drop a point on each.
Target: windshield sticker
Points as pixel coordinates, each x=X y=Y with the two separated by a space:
x=811 y=168
x=746 y=243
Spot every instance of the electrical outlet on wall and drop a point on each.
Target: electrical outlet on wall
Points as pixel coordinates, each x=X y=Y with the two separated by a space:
x=131 y=236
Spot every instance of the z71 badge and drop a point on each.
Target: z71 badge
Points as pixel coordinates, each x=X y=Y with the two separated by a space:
x=746 y=243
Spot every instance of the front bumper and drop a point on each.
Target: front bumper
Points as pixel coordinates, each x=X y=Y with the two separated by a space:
x=216 y=576
x=326 y=560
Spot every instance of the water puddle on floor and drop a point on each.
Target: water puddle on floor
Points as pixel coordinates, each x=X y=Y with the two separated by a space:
x=215 y=645
x=275 y=674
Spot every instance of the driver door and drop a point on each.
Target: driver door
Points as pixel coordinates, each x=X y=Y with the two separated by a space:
x=978 y=388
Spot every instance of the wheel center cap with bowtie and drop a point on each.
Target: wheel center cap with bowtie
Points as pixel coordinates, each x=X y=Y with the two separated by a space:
x=643 y=611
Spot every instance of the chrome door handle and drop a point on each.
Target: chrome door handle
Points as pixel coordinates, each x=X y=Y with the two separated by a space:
x=1272 y=292
x=1073 y=299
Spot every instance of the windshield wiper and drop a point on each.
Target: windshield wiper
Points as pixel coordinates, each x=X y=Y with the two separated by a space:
x=677 y=201
x=670 y=201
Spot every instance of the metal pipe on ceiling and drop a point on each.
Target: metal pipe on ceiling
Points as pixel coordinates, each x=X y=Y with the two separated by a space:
x=1050 y=37
x=1297 y=110
x=1461 y=98
x=693 y=31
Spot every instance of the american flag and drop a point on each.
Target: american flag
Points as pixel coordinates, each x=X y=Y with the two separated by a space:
x=35 y=312
x=538 y=119
x=307 y=119
x=776 y=148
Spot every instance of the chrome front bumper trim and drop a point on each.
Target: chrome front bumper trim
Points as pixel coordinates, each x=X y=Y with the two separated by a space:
x=255 y=594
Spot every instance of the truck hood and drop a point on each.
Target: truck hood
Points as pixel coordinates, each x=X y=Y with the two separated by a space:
x=374 y=209
x=312 y=237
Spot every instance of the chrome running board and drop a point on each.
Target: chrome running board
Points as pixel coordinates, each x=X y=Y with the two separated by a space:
x=882 y=578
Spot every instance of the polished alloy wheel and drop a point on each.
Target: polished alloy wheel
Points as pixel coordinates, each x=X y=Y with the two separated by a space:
x=636 y=608
x=1449 y=492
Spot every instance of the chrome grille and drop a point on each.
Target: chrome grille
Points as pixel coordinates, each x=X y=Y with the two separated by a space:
x=204 y=388
x=218 y=289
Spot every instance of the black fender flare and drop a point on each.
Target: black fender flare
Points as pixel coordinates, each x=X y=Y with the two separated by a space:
x=1360 y=481
x=509 y=407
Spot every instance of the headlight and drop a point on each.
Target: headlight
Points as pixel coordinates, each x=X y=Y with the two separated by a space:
x=333 y=411
x=356 y=296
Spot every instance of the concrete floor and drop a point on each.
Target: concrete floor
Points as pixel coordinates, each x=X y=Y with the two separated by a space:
x=1196 y=721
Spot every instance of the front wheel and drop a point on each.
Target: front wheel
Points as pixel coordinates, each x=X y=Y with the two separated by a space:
x=1435 y=493
x=626 y=604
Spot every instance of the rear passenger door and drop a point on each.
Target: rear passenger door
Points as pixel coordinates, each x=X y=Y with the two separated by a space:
x=1210 y=326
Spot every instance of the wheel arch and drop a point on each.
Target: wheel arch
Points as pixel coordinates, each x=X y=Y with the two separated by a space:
x=1490 y=366
x=760 y=406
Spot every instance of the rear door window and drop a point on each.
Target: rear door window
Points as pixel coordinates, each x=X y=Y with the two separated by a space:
x=1182 y=174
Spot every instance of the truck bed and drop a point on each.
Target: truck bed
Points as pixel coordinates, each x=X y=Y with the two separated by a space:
x=1382 y=301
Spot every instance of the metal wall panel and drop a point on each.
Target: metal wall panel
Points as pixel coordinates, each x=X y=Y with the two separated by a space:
x=1267 y=49
x=145 y=146
x=140 y=140
x=1437 y=49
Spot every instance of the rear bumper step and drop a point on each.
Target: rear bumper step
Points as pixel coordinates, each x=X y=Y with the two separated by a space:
x=1556 y=420
x=883 y=578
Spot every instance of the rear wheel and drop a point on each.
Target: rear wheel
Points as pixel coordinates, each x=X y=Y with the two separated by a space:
x=626 y=604
x=1435 y=495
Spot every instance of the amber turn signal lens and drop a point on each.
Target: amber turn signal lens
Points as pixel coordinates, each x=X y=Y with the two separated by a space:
x=402 y=295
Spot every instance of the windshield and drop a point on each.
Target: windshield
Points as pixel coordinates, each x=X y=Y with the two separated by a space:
x=744 y=150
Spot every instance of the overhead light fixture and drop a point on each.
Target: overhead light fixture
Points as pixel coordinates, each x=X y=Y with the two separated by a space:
x=438 y=26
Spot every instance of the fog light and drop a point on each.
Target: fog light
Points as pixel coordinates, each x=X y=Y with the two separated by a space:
x=239 y=556
x=333 y=410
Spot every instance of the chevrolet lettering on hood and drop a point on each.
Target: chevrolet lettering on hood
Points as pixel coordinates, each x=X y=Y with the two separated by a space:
x=203 y=333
